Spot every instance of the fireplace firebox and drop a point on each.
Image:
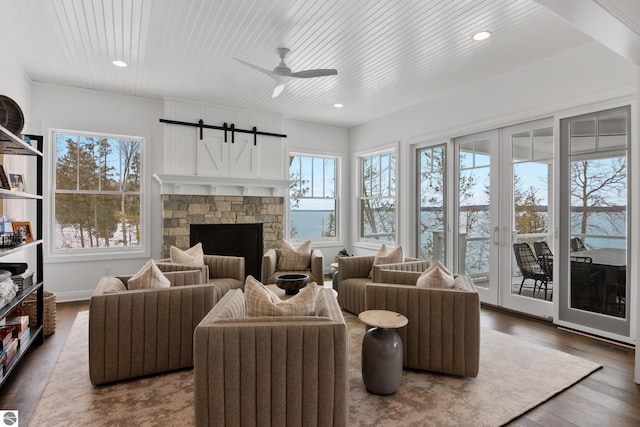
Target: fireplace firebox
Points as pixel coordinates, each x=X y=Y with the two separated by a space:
x=243 y=240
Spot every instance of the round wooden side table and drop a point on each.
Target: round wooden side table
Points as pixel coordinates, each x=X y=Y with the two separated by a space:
x=382 y=351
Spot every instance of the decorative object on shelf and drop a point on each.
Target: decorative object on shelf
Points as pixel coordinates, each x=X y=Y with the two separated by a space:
x=4 y=181
x=23 y=280
x=11 y=117
x=9 y=240
x=23 y=229
x=30 y=307
x=8 y=289
x=17 y=183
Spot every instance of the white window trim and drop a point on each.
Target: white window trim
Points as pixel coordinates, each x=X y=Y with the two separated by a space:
x=95 y=254
x=322 y=241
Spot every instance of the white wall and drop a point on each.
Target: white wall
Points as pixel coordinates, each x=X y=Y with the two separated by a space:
x=312 y=138
x=14 y=83
x=86 y=110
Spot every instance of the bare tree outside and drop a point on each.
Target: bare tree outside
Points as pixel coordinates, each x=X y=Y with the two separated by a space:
x=432 y=188
x=378 y=197
x=598 y=196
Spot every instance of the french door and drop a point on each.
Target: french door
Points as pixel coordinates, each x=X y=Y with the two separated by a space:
x=476 y=214
x=500 y=193
x=527 y=159
x=593 y=248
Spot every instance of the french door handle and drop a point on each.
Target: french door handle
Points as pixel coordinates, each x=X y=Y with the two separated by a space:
x=496 y=235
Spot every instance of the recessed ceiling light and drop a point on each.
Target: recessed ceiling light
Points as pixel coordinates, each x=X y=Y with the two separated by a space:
x=481 y=35
x=119 y=63
x=338 y=105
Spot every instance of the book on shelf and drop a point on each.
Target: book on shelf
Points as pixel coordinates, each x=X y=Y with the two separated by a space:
x=20 y=326
x=6 y=335
x=23 y=336
x=23 y=280
x=11 y=351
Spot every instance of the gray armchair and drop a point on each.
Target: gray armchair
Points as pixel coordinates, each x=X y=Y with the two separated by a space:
x=290 y=370
x=270 y=262
x=134 y=333
x=443 y=333
x=222 y=271
x=353 y=274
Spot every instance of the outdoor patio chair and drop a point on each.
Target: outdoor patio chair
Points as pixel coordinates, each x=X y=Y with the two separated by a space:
x=530 y=268
x=545 y=257
x=577 y=245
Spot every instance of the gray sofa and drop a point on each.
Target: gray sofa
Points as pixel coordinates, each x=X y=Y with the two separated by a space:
x=443 y=333
x=353 y=274
x=221 y=271
x=134 y=333
x=271 y=370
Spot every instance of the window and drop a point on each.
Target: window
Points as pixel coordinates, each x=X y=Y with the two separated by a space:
x=378 y=197
x=97 y=192
x=312 y=197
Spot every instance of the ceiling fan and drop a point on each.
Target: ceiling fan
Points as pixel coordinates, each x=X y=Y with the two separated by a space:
x=281 y=74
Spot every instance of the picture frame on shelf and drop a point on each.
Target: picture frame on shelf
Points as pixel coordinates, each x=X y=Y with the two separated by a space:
x=16 y=181
x=23 y=229
x=4 y=181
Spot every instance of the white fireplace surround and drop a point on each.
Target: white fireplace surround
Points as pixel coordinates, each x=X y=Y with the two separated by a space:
x=216 y=186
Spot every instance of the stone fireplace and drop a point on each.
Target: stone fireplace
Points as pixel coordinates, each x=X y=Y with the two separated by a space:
x=190 y=200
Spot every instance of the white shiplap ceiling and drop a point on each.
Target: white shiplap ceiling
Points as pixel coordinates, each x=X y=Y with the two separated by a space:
x=390 y=55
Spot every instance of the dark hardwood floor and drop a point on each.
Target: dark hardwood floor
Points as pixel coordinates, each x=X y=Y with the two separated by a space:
x=608 y=397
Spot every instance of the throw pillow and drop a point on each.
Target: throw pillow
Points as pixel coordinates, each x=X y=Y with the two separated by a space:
x=263 y=302
x=438 y=264
x=436 y=276
x=382 y=257
x=192 y=256
x=294 y=259
x=149 y=277
x=109 y=285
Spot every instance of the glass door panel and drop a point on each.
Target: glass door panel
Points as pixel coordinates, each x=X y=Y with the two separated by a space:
x=477 y=213
x=595 y=241
x=527 y=283
x=432 y=236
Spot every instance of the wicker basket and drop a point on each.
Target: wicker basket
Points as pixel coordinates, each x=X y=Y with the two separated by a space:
x=29 y=307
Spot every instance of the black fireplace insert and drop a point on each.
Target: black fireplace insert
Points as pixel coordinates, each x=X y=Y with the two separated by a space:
x=243 y=240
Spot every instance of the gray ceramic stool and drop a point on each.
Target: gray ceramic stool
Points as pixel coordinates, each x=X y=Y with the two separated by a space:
x=382 y=351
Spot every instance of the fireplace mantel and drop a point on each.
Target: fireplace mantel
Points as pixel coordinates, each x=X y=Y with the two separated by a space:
x=215 y=186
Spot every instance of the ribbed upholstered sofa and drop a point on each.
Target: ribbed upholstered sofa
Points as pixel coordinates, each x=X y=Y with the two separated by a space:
x=270 y=262
x=222 y=271
x=443 y=333
x=134 y=333
x=353 y=273
x=271 y=370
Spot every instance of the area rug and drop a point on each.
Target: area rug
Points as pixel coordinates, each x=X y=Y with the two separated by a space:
x=515 y=376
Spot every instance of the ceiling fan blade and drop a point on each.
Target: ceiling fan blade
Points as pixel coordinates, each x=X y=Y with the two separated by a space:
x=278 y=90
x=255 y=67
x=306 y=74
